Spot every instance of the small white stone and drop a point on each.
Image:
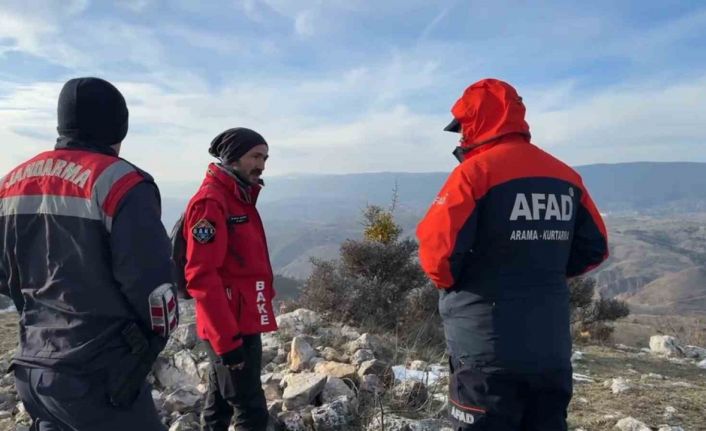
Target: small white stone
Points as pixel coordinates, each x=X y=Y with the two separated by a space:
x=652 y=376
x=576 y=356
x=666 y=345
x=669 y=413
x=581 y=378
x=620 y=385
x=631 y=424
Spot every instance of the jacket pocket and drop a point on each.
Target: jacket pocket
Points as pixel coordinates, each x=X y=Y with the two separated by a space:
x=468 y=403
x=63 y=386
x=234 y=301
x=483 y=399
x=79 y=401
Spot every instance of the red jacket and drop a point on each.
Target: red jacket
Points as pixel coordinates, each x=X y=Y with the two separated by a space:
x=228 y=269
x=505 y=187
x=507 y=229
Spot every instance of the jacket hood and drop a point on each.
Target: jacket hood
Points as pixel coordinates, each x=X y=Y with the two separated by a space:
x=489 y=109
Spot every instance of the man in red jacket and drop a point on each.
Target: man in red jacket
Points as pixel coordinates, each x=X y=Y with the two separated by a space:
x=507 y=229
x=229 y=275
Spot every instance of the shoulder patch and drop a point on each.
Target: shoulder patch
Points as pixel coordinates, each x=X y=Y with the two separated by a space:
x=203 y=231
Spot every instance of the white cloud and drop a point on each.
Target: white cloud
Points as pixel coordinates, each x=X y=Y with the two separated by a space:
x=309 y=17
x=251 y=10
x=437 y=19
x=27 y=114
x=382 y=112
x=171 y=127
x=304 y=23
x=649 y=122
x=641 y=46
x=110 y=41
x=136 y=6
x=35 y=28
x=548 y=99
x=23 y=33
x=219 y=43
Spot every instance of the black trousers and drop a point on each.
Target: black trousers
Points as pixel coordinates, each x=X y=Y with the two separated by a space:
x=59 y=401
x=236 y=394
x=504 y=401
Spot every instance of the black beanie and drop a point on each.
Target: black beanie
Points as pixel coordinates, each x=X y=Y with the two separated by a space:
x=93 y=112
x=232 y=144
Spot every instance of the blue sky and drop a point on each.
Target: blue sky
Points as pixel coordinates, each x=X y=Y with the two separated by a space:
x=357 y=86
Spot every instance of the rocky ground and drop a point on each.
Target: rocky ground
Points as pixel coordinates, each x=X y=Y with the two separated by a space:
x=620 y=387
x=321 y=376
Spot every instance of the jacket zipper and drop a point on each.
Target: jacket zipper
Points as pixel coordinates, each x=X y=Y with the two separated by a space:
x=229 y=294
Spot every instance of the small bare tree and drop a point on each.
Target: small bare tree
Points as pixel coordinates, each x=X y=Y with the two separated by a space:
x=589 y=316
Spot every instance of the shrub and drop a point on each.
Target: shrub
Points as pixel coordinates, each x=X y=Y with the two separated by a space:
x=377 y=284
x=589 y=316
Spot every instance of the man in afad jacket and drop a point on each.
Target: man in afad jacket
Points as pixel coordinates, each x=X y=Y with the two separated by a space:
x=508 y=228
x=229 y=275
x=85 y=258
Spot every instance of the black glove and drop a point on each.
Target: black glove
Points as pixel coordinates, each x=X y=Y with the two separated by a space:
x=127 y=379
x=234 y=359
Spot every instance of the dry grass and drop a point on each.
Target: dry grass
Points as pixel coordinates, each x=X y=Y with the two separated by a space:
x=689 y=330
x=595 y=407
x=414 y=344
x=636 y=330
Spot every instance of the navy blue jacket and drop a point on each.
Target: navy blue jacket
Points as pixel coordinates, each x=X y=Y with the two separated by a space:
x=83 y=253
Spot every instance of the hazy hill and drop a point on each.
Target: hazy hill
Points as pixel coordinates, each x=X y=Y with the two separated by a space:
x=627 y=187
x=650 y=211
x=655 y=188
x=646 y=187
x=682 y=292
x=663 y=253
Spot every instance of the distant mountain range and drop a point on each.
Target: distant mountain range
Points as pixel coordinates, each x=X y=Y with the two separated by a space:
x=656 y=215
x=320 y=210
x=646 y=187
x=310 y=215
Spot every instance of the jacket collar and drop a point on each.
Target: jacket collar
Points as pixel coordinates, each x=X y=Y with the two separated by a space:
x=482 y=148
x=64 y=143
x=244 y=192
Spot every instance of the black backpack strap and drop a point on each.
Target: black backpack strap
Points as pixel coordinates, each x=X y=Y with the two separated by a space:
x=178 y=243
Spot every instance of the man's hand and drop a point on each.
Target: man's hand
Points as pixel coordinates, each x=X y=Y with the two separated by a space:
x=127 y=379
x=235 y=359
